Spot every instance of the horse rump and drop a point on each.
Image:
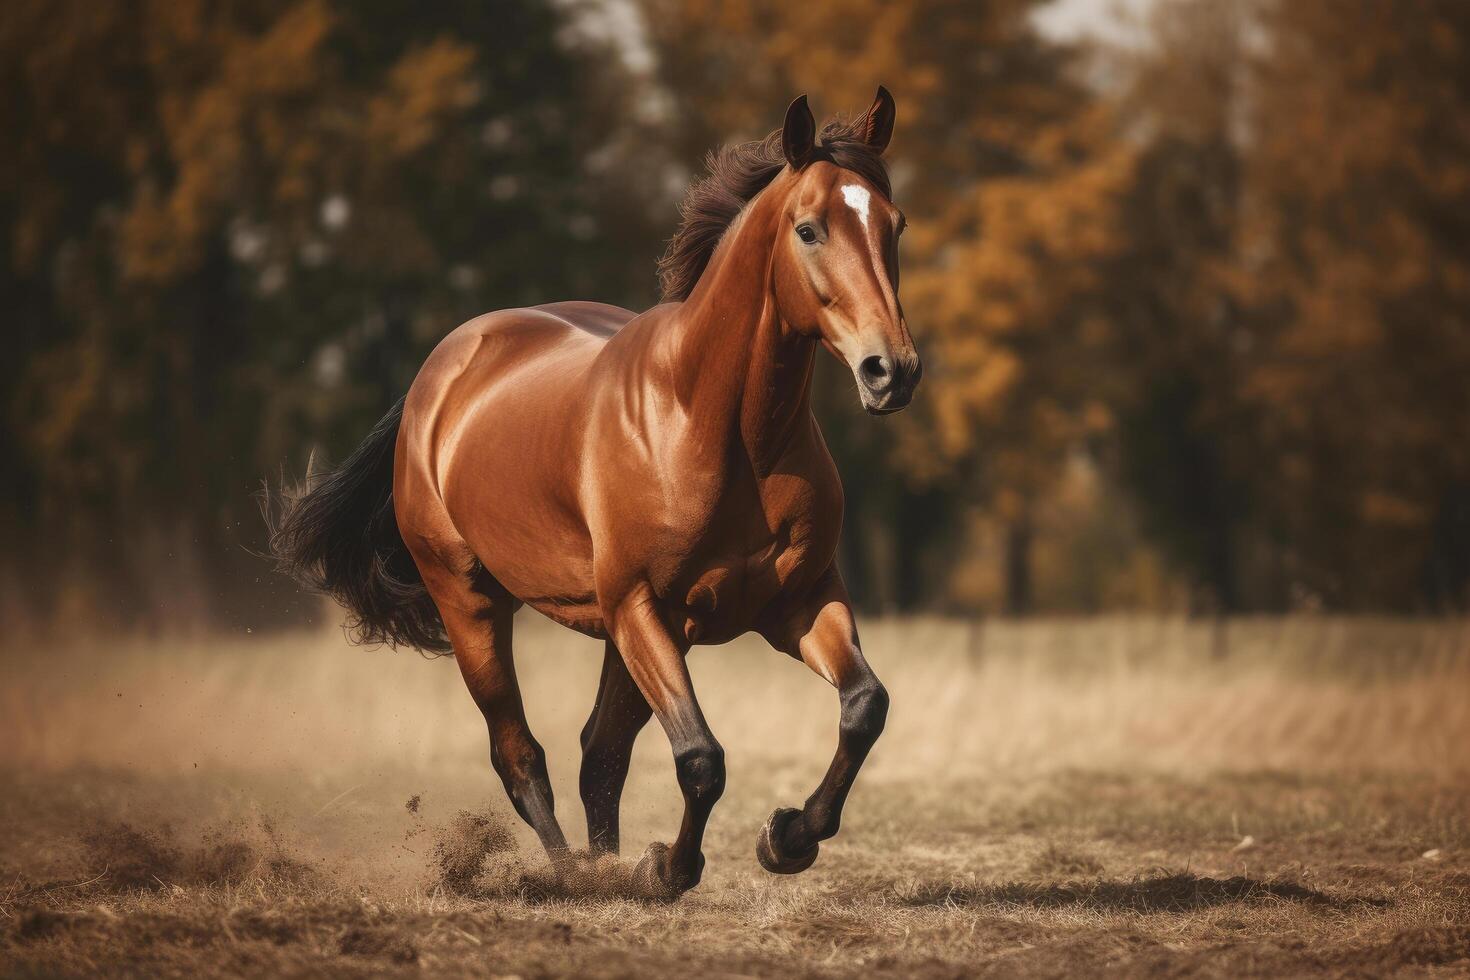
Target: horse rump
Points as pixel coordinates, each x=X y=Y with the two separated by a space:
x=336 y=534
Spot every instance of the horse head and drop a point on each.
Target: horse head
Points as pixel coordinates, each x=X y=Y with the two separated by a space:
x=835 y=264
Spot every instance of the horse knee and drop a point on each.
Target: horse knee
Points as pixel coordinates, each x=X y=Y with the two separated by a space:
x=519 y=760
x=864 y=713
x=701 y=772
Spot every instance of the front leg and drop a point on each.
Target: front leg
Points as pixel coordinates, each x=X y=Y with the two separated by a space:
x=819 y=629
x=657 y=666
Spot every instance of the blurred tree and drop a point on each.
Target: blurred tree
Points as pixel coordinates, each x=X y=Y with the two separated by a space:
x=1005 y=168
x=1015 y=299
x=1224 y=303
x=1182 y=338
x=1359 y=249
x=1293 y=306
x=233 y=227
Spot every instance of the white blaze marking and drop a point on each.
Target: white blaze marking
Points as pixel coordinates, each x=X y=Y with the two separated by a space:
x=857 y=198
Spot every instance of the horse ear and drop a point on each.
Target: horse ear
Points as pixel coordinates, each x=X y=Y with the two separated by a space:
x=798 y=133
x=878 y=125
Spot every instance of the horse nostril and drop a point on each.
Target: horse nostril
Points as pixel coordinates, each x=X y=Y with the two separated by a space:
x=877 y=372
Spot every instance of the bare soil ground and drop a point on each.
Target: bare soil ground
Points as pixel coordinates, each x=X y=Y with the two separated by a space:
x=1114 y=798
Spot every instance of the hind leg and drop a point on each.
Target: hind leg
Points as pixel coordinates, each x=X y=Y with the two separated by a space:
x=477 y=616
x=607 y=745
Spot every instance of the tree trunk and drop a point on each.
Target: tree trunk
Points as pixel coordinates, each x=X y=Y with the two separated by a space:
x=1018 y=566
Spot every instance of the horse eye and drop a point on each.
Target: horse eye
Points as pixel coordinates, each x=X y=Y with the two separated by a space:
x=806 y=233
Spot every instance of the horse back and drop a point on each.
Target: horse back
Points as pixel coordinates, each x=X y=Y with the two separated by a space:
x=490 y=351
x=598 y=319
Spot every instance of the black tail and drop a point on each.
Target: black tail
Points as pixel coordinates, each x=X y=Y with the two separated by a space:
x=337 y=534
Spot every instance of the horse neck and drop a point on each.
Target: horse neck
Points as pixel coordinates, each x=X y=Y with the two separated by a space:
x=735 y=359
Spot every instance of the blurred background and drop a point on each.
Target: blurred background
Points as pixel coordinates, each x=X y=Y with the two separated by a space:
x=1190 y=278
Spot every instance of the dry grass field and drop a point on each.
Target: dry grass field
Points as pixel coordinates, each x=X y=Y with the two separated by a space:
x=1092 y=798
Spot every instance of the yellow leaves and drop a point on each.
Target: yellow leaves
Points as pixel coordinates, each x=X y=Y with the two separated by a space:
x=863 y=44
x=155 y=244
x=1097 y=418
x=63 y=385
x=1448 y=42
x=1019 y=259
x=426 y=85
x=285 y=59
x=995 y=377
x=213 y=128
x=269 y=123
x=1033 y=228
x=32 y=225
x=1392 y=510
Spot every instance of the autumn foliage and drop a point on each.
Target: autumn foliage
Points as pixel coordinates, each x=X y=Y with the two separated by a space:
x=1194 y=312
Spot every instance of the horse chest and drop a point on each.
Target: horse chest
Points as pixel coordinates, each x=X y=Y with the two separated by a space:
x=725 y=590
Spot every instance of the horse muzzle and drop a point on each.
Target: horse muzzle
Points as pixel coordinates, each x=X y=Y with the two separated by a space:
x=886 y=382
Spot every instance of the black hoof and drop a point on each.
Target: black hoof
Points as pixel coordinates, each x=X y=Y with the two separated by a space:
x=768 y=846
x=654 y=876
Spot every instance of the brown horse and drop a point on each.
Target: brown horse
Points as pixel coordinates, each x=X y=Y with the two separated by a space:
x=655 y=480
